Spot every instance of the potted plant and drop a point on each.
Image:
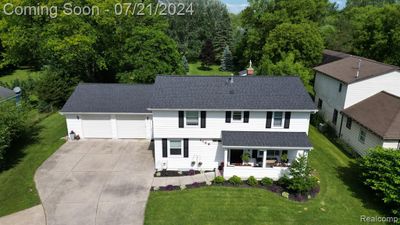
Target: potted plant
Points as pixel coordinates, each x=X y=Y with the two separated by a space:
x=284 y=159
x=246 y=158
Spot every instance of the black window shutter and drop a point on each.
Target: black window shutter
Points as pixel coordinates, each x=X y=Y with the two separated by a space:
x=254 y=154
x=228 y=115
x=287 y=120
x=269 y=120
x=180 y=115
x=186 y=148
x=203 y=115
x=164 y=148
x=246 y=116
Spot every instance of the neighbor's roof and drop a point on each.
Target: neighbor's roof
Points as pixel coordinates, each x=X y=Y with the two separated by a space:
x=379 y=113
x=265 y=139
x=345 y=69
x=217 y=92
x=331 y=56
x=6 y=93
x=118 y=98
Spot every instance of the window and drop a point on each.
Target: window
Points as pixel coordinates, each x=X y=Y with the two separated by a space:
x=340 y=87
x=319 y=103
x=334 y=118
x=237 y=116
x=260 y=154
x=192 y=118
x=348 y=123
x=361 y=136
x=278 y=119
x=175 y=148
x=272 y=154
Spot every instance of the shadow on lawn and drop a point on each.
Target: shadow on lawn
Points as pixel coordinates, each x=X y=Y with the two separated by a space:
x=351 y=177
x=16 y=152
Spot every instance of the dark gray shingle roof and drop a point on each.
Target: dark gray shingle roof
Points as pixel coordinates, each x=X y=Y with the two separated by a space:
x=6 y=93
x=119 y=98
x=216 y=92
x=265 y=139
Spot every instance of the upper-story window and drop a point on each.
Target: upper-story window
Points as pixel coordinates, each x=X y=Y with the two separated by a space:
x=319 y=103
x=237 y=116
x=278 y=119
x=192 y=118
x=340 y=87
x=361 y=136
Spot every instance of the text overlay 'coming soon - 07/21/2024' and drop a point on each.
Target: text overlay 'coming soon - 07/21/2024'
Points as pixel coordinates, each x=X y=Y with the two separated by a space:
x=119 y=9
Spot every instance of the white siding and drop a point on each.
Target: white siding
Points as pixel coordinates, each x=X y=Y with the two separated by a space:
x=351 y=137
x=327 y=89
x=74 y=124
x=395 y=144
x=364 y=89
x=207 y=151
x=166 y=124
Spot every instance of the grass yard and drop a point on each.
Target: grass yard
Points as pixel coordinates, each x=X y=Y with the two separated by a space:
x=194 y=70
x=341 y=200
x=17 y=187
x=21 y=74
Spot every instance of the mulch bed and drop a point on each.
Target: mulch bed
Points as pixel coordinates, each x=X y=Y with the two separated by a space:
x=171 y=173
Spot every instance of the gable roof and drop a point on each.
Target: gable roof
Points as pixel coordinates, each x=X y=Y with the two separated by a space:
x=118 y=98
x=218 y=92
x=6 y=93
x=345 y=69
x=265 y=139
x=379 y=113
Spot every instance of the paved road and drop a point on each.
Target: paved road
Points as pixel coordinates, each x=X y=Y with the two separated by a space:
x=96 y=182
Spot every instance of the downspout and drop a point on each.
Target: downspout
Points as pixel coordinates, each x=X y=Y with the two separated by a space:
x=341 y=124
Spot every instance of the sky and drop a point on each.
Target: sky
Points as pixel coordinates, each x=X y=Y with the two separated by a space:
x=235 y=6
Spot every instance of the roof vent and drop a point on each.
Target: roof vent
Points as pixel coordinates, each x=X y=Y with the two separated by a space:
x=358 y=68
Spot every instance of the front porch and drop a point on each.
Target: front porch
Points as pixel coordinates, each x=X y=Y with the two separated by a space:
x=261 y=154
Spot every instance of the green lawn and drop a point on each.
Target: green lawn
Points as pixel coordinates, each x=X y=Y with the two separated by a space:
x=341 y=200
x=17 y=188
x=21 y=74
x=194 y=70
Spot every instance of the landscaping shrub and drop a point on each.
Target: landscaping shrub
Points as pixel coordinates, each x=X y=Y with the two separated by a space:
x=252 y=181
x=301 y=181
x=266 y=181
x=283 y=181
x=302 y=185
x=219 y=180
x=285 y=194
x=316 y=119
x=380 y=171
x=235 y=180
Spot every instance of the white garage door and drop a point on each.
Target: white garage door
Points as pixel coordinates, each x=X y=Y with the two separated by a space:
x=96 y=126
x=130 y=126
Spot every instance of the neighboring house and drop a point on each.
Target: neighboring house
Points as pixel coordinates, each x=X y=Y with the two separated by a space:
x=373 y=122
x=6 y=94
x=204 y=122
x=347 y=80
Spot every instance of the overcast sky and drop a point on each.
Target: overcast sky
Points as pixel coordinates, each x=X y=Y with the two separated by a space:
x=235 y=6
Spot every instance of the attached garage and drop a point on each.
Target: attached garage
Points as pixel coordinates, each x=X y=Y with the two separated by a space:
x=96 y=126
x=117 y=111
x=131 y=126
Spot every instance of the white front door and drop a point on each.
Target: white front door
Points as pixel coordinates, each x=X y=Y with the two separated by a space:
x=131 y=126
x=96 y=126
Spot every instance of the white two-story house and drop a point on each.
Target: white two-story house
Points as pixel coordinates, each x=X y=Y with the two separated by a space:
x=346 y=80
x=246 y=126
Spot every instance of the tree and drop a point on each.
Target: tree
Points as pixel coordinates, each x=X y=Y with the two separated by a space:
x=207 y=55
x=185 y=64
x=381 y=172
x=54 y=89
x=286 y=67
x=227 y=60
x=301 y=180
x=302 y=40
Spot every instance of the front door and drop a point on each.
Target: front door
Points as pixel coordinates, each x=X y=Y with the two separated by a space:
x=236 y=156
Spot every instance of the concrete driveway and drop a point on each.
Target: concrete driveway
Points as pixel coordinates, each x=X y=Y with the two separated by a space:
x=96 y=182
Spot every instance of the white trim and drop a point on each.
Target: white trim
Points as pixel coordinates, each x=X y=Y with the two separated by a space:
x=251 y=110
x=273 y=120
x=267 y=147
x=103 y=113
x=241 y=117
x=193 y=126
